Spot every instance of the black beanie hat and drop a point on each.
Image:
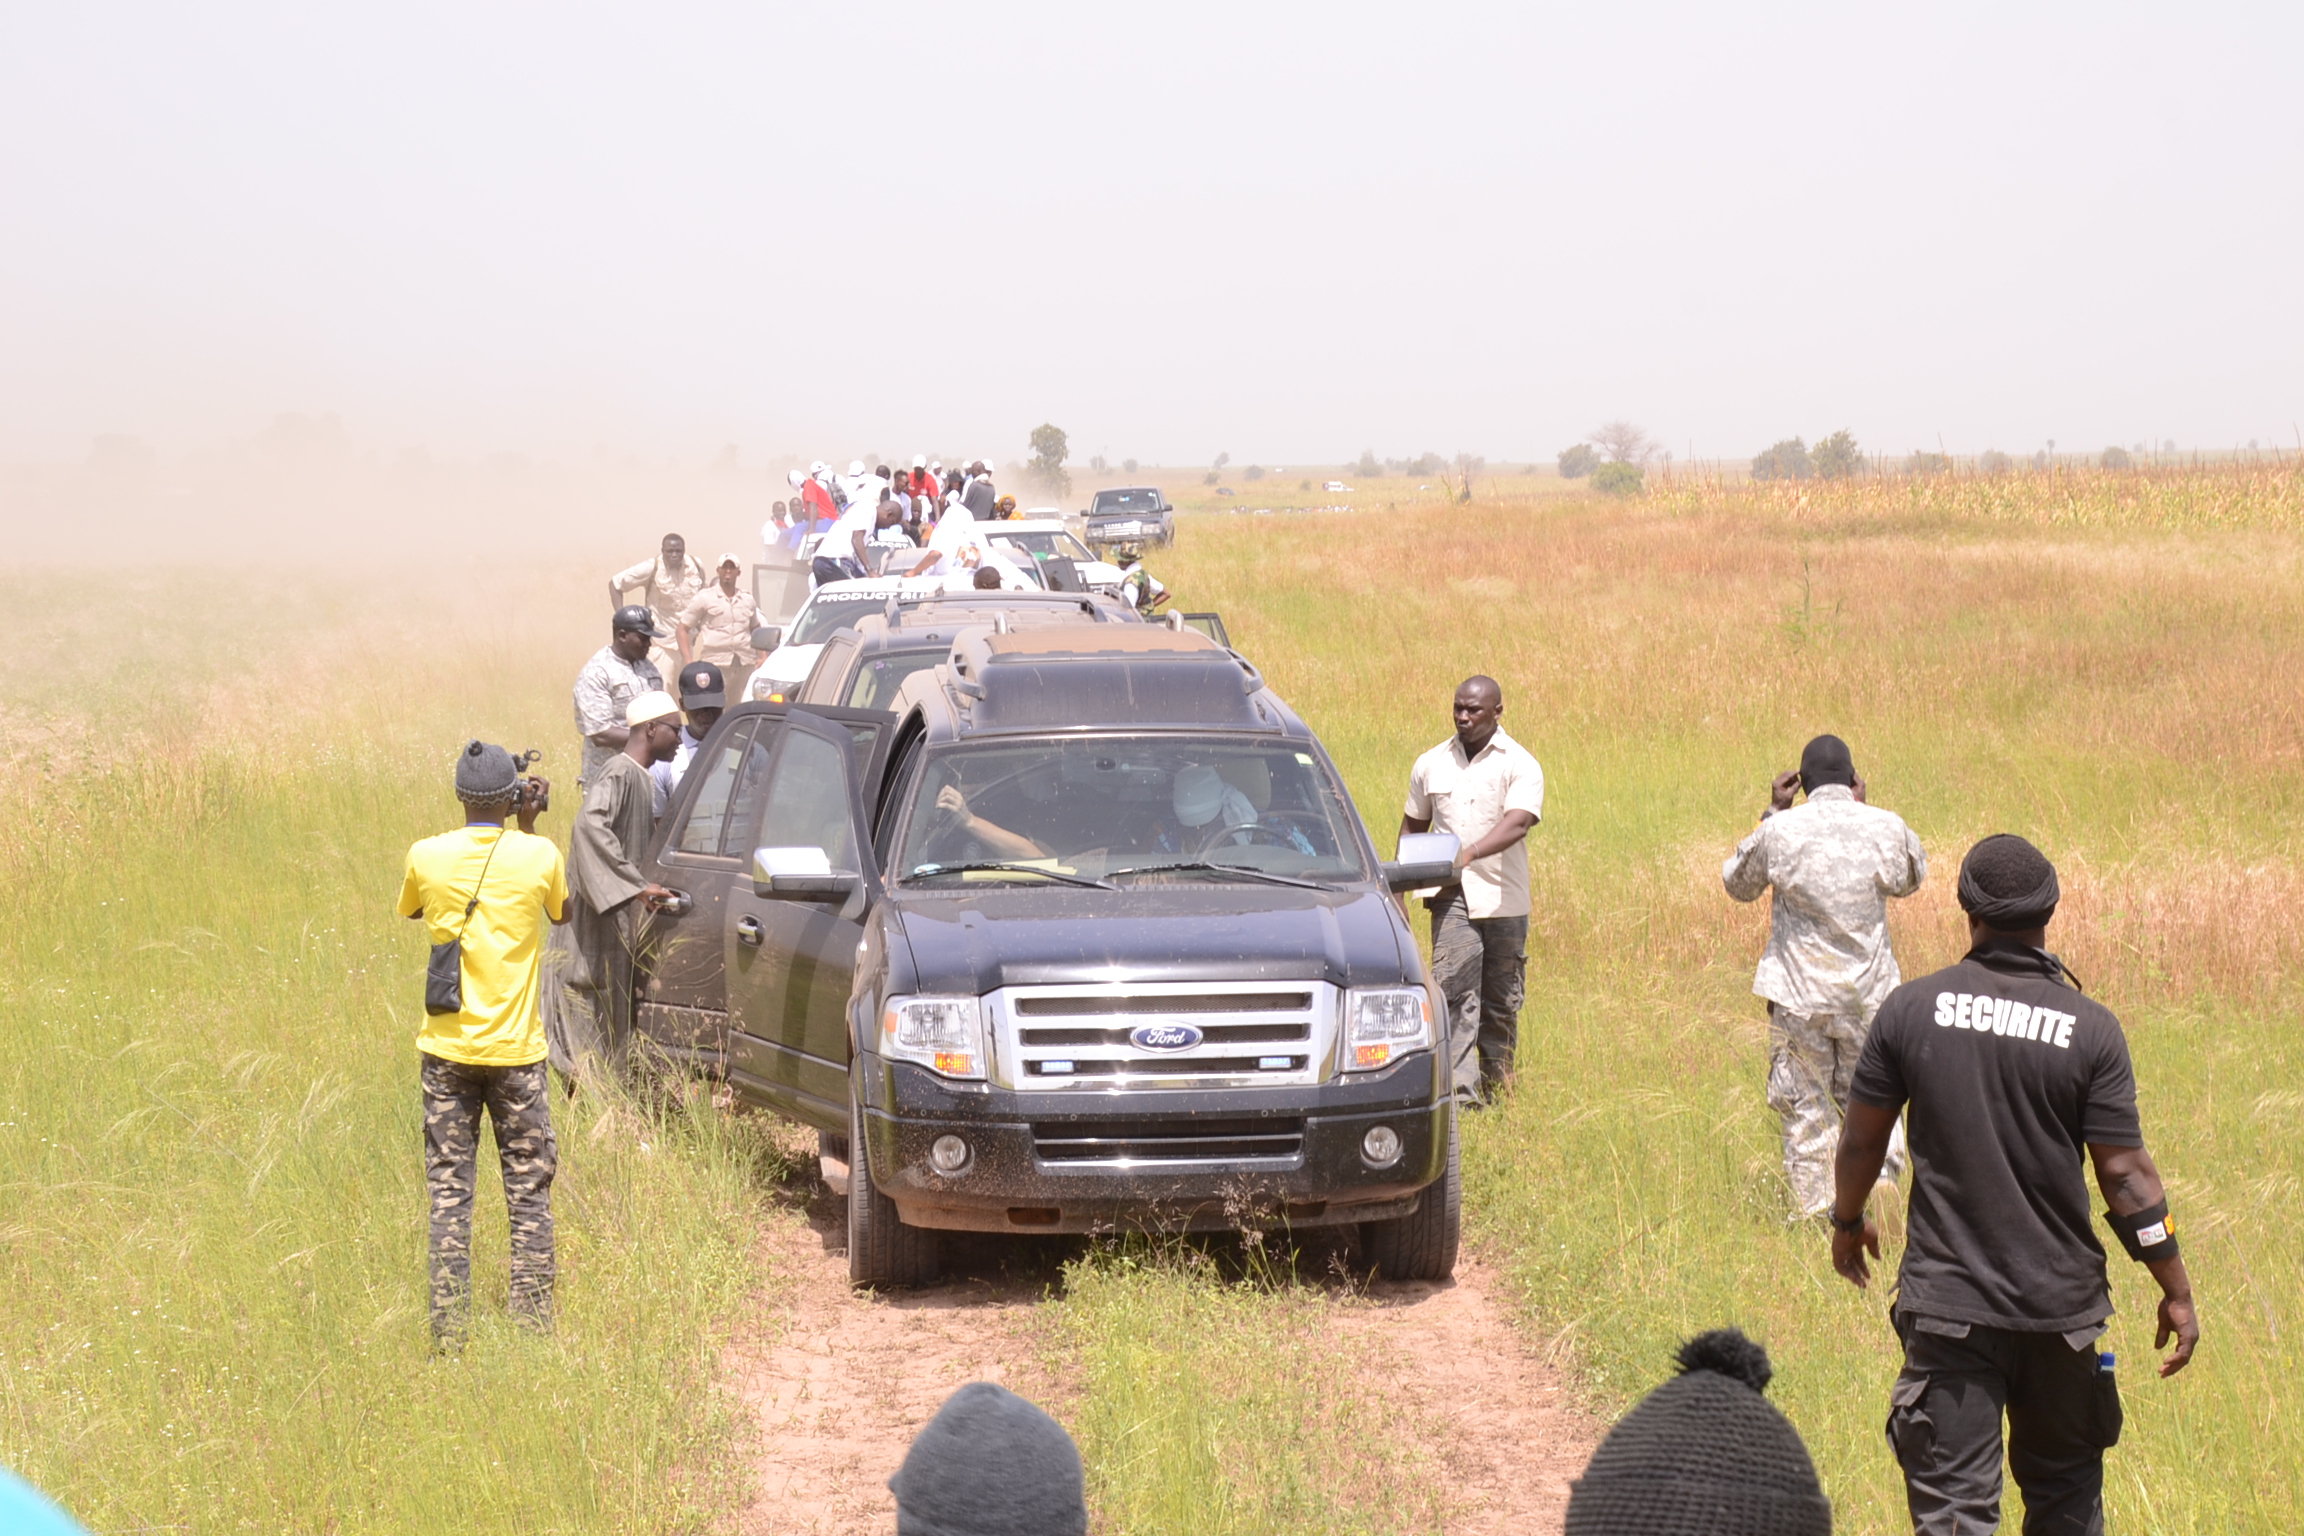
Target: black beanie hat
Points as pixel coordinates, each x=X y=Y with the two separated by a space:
x=2005 y=882
x=484 y=773
x=1826 y=761
x=990 y=1464
x=1703 y=1455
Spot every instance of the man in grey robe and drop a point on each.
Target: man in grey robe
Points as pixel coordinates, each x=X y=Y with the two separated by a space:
x=590 y=1024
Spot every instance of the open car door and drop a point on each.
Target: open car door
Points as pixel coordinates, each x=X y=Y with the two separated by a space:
x=795 y=915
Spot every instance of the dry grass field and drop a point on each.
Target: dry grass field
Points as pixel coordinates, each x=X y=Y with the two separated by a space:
x=211 y=1285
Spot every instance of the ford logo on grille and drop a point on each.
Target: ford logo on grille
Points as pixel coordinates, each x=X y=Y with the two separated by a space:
x=1164 y=1037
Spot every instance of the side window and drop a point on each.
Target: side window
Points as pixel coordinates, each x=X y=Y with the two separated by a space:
x=743 y=817
x=707 y=814
x=808 y=801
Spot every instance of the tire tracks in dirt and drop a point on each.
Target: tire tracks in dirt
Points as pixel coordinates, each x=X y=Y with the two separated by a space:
x=836 y=1384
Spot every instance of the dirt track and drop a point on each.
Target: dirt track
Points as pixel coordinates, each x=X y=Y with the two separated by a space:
x=848 y=1380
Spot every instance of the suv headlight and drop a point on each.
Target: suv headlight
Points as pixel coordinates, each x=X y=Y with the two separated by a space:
x=943 y=1034
x=1382 y=1024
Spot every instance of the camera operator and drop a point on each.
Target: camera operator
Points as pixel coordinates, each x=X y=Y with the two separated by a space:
x=486 y=889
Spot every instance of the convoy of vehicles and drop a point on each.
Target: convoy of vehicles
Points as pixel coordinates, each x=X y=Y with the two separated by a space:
x=1075 y=931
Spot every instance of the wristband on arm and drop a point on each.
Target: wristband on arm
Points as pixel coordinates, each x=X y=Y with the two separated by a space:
x=2148 y=1235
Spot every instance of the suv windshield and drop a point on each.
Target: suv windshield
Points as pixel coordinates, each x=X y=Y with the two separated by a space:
x=1125 y=501
x=824 y=615
x=1040 y=546
x=1103 y=806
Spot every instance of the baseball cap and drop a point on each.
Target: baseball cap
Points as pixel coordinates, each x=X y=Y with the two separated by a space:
x=855 y=466
x=794 y=476
x=702 y=686
x=651 y=706
x=733 y=560
x=636 y=616
x=919 y=461
x=818 y=467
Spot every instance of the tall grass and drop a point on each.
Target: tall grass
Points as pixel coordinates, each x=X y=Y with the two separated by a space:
x=211 y=1195
x=1215 y=1405
x=2100 y=665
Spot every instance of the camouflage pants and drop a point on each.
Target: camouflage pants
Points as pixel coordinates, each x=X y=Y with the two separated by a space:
x=518 y=1101
x=1481 y=966
x=1811 y=1059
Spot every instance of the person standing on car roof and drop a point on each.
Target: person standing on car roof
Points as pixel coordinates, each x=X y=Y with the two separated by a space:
x=592 y=1022
x=618 y=673
x=1834 y=863
x=978 y=495
x=1484 y=787
x=2008 y=1072
x=703 y=695
x=717 y=626
x=841 y=556
x=489 y=889
x=671 y=579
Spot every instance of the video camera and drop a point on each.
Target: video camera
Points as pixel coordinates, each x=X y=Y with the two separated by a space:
x=532 y=793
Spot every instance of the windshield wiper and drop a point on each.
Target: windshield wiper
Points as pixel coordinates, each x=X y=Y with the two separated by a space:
x=1199 y=866
x=1010 y=866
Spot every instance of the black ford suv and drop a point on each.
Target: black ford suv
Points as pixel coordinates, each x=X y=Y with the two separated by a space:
x=1083 y=935
x=1136 y=514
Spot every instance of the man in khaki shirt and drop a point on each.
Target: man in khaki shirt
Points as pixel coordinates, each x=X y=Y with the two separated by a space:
x=1484 y=787
x=671 y=579
x=717 y=626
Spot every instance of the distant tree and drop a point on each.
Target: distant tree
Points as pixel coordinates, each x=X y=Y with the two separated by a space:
x=1210 y=478
x=1253 y=472
x=2115 y=458
x=1617 y=477
x=1369 y=468
x=1578 y=460
x=1127 y=466
x=1303 y=485
x=1787 y=460
x=1046 y=466
x=1623 y=442
x=1097 y=464
x=1423 y=464
x=1837 y=457
x=1926 y=463
x=1992 y=462
x=1222 y=459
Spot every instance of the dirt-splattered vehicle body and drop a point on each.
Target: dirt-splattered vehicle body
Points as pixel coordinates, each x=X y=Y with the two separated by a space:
x=1084 y=935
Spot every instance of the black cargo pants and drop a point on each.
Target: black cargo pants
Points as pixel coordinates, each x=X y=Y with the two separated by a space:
x=1944 y=1425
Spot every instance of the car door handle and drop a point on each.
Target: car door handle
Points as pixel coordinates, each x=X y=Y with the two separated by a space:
x=677 y=904
x=748 y=929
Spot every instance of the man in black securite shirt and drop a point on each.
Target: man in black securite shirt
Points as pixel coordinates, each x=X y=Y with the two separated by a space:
x=2009 y=1072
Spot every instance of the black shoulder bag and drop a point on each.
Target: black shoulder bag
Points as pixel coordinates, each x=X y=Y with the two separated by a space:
x=444 y=972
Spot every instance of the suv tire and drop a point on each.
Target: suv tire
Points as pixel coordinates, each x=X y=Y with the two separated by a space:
x=1422 y=1245
x=883 y=1253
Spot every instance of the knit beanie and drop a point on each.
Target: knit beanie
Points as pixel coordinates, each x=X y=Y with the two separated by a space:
x=990 y=1464
x=484 y=773
x=1704 y=1454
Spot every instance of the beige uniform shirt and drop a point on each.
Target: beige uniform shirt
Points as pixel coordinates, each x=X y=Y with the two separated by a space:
x=1834 y=863
x=1468 y=797
x=669 y=587
x=608 y=683
x=723 y=626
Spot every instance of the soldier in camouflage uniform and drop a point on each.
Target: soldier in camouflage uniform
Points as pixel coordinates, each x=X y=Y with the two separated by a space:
x=488 y=889
x=1833 y=863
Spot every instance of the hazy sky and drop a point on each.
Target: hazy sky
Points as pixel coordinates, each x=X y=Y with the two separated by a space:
x=1286 y=231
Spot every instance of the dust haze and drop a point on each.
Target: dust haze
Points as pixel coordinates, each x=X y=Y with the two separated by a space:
x=544 y=267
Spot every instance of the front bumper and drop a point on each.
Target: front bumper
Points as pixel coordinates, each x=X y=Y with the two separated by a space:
x=1277 y=1156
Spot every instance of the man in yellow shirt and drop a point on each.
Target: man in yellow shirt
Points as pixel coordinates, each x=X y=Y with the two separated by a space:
x=489 y=889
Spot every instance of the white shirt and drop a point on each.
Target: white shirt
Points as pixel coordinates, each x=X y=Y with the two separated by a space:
x=840 y=541
x=1468 y=798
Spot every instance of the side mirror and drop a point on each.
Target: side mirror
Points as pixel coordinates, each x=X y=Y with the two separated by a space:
x=1426 y=858
x=801 y=874
x=767 y=637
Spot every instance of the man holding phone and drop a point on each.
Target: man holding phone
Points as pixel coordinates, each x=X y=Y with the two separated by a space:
x=1833 y=863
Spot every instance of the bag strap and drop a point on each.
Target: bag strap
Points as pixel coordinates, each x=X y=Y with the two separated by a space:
x=473 y=905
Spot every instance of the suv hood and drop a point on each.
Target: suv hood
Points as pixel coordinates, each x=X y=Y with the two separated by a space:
x=975 y=940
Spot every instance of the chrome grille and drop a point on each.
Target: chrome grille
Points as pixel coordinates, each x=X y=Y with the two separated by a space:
x=1169 y=1141
x=1072 y=1037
